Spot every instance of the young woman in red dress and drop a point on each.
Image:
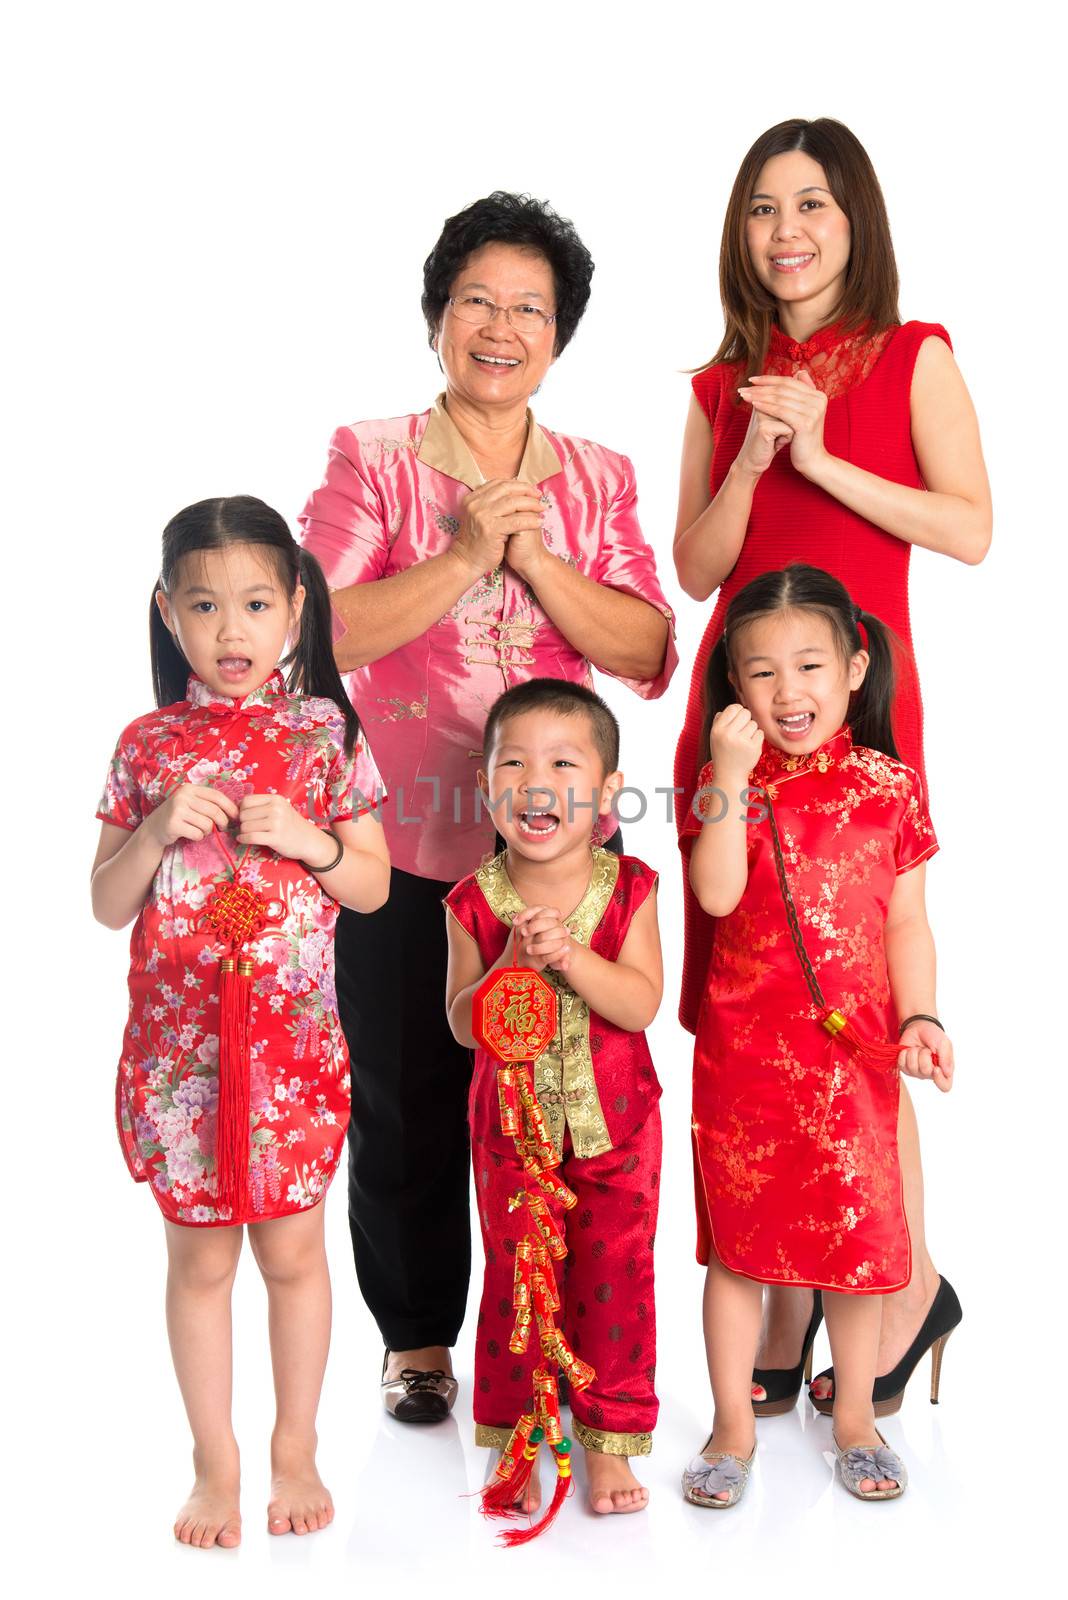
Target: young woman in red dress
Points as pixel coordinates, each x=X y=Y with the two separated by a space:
x=828 y=431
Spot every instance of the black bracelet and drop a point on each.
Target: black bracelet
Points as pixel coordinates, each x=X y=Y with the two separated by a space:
x=330 y=865
x=919 y=1016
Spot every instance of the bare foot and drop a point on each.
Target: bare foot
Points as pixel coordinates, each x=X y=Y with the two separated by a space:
x=300 y=1502
x=903 y=1317
x=612 y=1484
x=787 y=1313
x=430 y=1358
x=530 y=1500
x=212 y=1514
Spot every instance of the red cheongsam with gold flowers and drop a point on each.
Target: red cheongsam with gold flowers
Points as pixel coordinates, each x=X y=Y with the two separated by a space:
x=269 y=742
x=795 y=1141
x=599 y=1095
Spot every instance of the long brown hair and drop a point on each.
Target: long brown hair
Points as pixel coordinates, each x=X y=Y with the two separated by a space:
x=870 y=292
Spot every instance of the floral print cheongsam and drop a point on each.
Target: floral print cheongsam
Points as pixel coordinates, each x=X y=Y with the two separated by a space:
x=795 y=1140
x=269 y=742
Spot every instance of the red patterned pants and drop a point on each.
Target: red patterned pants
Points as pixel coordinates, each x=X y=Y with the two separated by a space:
x=608 y=1312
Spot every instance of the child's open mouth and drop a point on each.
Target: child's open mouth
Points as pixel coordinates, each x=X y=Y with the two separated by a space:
x=234 y=668
x=797 y=725
x=537 y=824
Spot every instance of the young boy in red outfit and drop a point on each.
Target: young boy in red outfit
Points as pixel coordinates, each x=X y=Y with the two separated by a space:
x=584 y=918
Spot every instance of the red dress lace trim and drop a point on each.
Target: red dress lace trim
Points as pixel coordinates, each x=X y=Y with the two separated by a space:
x=835 y=359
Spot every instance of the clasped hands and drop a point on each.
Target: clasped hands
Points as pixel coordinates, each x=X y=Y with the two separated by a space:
x=542 y=939
x=194 y=810
x=502 y=521
x=785 y=412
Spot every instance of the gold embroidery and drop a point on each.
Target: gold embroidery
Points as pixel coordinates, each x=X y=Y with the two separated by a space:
x=564 y=1079
x=402 y=709
x=612 y=1444
x=490 y=1438
x=385 y=443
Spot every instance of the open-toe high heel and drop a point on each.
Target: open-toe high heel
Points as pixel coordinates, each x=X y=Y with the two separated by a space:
x=889 y=1390
x=782 y=1385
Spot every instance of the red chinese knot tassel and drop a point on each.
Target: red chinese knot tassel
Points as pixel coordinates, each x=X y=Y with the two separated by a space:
x=513 y=1471
x=237 y=914
x=514 y=1536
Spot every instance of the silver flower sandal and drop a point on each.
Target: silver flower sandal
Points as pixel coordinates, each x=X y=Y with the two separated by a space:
x=706 y=1478
x=864 y=1462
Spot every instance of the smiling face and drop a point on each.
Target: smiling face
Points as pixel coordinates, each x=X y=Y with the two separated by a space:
x=231 y=616
x=546 y=785
x=792 y=679
x=490 y=363
x=797 y=234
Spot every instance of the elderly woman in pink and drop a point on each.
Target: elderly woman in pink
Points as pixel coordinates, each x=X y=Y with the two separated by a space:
x=468 y=549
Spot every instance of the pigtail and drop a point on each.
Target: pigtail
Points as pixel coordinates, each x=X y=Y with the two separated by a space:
x=313 y=668
x=719 y=692
x=170 y=669
x=870 y=707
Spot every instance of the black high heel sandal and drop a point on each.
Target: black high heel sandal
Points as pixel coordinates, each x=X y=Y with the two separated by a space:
x=782 y=1385
x=889 y=1391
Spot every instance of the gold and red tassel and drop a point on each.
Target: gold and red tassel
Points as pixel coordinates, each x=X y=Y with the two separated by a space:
x=512 y=1474
x=877 y=1053
x=562 y=1456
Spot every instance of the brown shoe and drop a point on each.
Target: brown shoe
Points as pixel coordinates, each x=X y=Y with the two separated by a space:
x=417 y=1396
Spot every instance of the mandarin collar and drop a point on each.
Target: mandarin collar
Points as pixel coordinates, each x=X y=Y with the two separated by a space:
x=199 y=695
x=776 y=765
x=444 y=449
x=824 y=339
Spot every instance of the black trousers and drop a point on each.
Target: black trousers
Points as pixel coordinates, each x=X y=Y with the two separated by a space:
x=409 y=1214
x=408 y=1142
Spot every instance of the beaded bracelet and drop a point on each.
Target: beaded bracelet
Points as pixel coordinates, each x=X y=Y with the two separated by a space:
x=919 y=1016
x=330 y=865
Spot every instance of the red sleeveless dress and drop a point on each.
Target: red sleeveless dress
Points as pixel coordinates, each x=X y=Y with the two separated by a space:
x=795 y=1140
x=867 y=379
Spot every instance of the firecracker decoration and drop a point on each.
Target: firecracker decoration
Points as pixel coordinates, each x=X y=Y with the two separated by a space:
x=514 y=1018
x=237 y=914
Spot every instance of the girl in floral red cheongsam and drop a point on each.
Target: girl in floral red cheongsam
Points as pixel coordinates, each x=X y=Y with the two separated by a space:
x=236 y=818
x=807 y=844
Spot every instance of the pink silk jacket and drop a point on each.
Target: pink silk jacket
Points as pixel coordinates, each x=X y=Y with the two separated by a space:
x=393 y=495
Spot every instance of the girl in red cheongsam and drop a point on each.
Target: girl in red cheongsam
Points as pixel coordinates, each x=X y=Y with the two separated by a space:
x=240 y=790
x=807 y=844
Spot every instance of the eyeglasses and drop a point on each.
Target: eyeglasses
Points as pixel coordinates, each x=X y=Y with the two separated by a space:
x=523 y=318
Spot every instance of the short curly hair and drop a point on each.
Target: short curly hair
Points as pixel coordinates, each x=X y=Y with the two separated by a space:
x=519 y=220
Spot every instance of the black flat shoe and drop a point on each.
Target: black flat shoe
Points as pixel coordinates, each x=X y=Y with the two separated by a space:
x=889 y=1391
x=417 y=1396
x=782 y=1385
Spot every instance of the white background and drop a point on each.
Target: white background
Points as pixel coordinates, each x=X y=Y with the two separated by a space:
x=218 y=215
